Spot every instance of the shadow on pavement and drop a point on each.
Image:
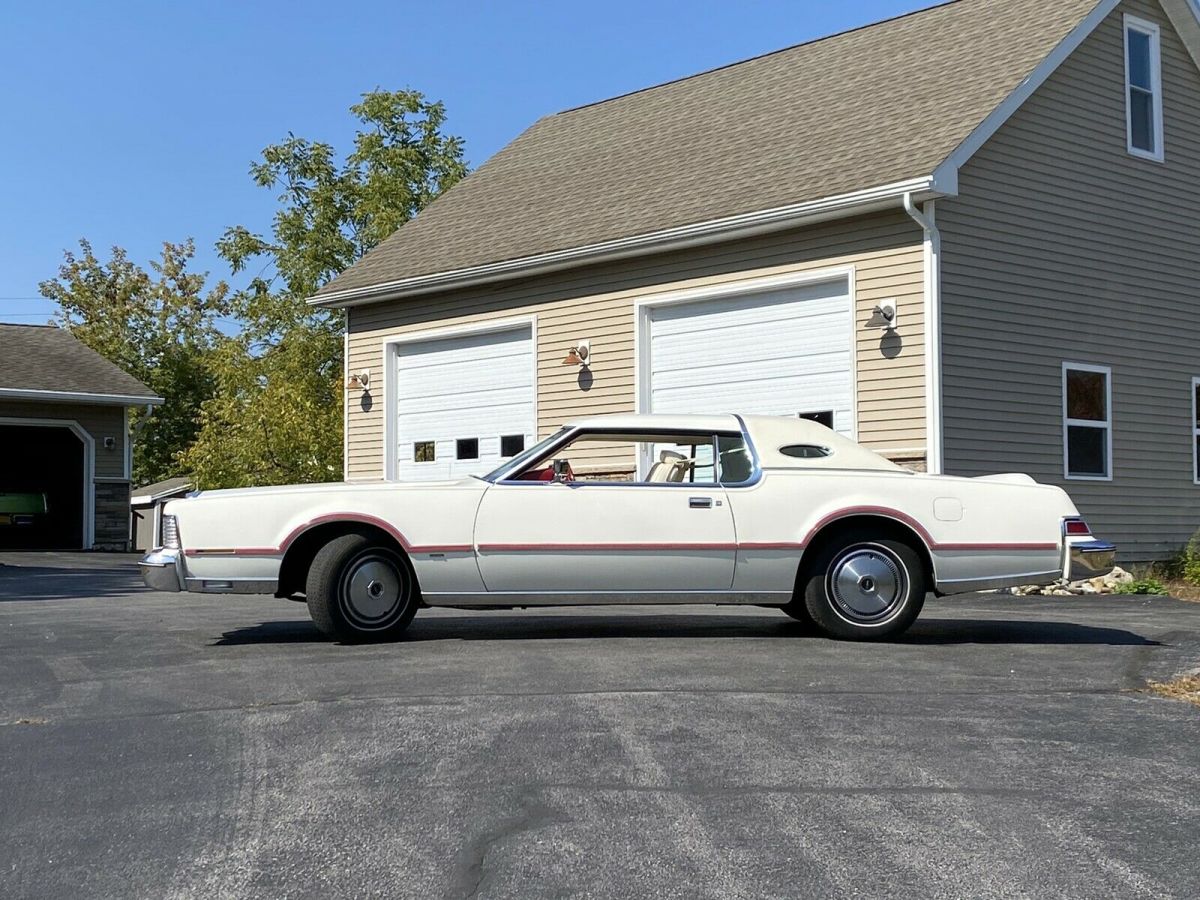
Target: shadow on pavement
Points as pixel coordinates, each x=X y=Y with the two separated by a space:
x=515 y=626
x=998 y=631
x=24 y=583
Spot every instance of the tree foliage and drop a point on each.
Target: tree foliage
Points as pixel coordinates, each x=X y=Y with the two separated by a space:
x=276 y=416
x=159 y=326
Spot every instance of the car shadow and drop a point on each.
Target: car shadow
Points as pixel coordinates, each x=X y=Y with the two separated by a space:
x=517 y=627
x=31 y=583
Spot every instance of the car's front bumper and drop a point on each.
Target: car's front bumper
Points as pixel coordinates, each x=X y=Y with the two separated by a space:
x=1092 y=559
x=162 y=570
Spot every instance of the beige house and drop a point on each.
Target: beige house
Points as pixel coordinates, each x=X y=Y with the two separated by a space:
x=968 y=238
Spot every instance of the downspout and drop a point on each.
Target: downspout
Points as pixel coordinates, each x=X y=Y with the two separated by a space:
x=926 y=218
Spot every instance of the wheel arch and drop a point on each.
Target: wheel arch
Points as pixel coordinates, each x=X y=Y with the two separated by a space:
x=302 y=548
x=880 y=523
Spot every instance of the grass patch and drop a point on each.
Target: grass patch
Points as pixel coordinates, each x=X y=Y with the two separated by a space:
x=1185 y=687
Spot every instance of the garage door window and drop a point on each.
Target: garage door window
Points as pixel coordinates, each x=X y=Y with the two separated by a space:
x=1087 y=421
x=423 y=451
x=512 y=444
x=467 y=448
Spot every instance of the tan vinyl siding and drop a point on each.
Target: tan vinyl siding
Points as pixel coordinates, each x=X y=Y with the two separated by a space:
x=1063 y=247
x=98 y=421
x=597 y=303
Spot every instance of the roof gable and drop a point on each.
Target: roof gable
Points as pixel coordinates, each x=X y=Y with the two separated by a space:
x=881 y=105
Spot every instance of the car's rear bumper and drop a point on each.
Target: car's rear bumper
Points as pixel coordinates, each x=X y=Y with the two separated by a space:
x=162 y=570
x=1091 y=559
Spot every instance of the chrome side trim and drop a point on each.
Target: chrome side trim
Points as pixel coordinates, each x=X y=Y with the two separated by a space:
x=615 y=598
x=966 y=585
x=231 y=585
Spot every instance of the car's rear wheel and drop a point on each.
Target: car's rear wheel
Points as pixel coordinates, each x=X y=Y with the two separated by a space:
x=359 y=589
x=863 y=587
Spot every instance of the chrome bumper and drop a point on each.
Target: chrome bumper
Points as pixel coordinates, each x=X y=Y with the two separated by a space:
x=162 y=570
x=1091 y=559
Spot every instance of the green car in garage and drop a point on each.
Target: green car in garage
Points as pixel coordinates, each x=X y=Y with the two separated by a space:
x=21 y=509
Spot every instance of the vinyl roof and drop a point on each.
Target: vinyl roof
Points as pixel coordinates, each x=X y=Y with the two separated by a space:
x=865 y=108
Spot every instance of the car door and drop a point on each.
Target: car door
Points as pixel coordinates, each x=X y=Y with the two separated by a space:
x=597 y=538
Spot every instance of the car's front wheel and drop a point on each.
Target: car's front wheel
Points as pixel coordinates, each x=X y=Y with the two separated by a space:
x=358 y=589
x=862 y=587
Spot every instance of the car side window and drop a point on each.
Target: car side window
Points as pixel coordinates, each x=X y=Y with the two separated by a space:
x=736 y=464
x=603 y=457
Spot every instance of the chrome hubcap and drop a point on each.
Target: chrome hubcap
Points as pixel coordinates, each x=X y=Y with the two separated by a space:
x=867 y=584
x=372 y=590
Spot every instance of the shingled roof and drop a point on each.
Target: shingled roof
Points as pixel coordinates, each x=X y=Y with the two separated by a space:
x=42 y=361
x=866 y=108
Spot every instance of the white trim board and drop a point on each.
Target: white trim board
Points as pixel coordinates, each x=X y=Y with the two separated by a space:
x=1195 y=431
x=89 y=467
x=78 y=397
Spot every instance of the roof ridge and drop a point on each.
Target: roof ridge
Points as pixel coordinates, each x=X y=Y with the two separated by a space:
x=749 y=59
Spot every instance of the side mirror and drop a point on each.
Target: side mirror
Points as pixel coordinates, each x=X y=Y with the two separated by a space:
x=561 y=468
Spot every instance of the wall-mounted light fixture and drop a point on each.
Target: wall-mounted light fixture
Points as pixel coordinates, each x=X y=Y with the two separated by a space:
x=579 y=355
x=359 y=381
x=884 y=315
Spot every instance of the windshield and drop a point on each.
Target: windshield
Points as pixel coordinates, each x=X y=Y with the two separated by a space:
x=525 y=456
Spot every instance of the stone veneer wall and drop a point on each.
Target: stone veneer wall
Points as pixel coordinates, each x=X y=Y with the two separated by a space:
x=112 y=515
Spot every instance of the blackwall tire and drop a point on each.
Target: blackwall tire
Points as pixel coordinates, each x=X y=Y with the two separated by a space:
x=359 y=589
x=863 y=587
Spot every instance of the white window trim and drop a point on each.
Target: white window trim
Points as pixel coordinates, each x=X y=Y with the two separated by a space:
x=1107 y=425
x=1151 y=30
x=1195 y=434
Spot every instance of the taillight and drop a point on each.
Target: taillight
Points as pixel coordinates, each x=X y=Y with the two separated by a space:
x=1076 y=527
x=170 y=533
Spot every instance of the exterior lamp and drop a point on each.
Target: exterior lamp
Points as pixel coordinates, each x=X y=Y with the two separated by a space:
x=579 y=355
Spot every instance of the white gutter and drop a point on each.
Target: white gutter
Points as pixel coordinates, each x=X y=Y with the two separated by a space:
x=926 y=218
x=78 y=397
x=744 y=225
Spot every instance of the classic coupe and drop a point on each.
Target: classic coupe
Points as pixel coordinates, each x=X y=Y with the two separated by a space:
x=726 y=509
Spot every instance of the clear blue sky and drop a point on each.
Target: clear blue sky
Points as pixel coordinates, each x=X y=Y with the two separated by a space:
x=132 y=123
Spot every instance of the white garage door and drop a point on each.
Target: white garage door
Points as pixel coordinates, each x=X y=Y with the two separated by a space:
x=463 y=404
x=784 y=352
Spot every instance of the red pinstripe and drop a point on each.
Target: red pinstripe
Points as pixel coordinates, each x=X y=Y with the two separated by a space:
x=882 y=511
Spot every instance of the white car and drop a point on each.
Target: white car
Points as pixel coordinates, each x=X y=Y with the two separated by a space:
x=722 y=509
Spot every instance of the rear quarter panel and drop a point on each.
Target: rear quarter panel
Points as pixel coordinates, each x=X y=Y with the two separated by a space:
x=975 y=531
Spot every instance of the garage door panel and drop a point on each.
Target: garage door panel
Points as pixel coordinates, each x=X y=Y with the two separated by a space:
x=782 y=352
x=475 y=387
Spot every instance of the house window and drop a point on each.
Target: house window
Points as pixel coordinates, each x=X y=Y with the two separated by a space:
x=466 y=448
x=1196 y=430
x=1087 y=421
x=511 y=444
x=1143 y=89
x=423 y=451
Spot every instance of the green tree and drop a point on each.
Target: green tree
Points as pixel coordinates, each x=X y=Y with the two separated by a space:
x=159 y=326
x=276 y=416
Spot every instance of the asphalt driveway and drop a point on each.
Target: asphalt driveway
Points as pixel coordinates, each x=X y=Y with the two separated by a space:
x=156 y=745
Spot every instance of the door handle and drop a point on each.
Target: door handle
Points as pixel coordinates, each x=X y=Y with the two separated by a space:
x=700 y=502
